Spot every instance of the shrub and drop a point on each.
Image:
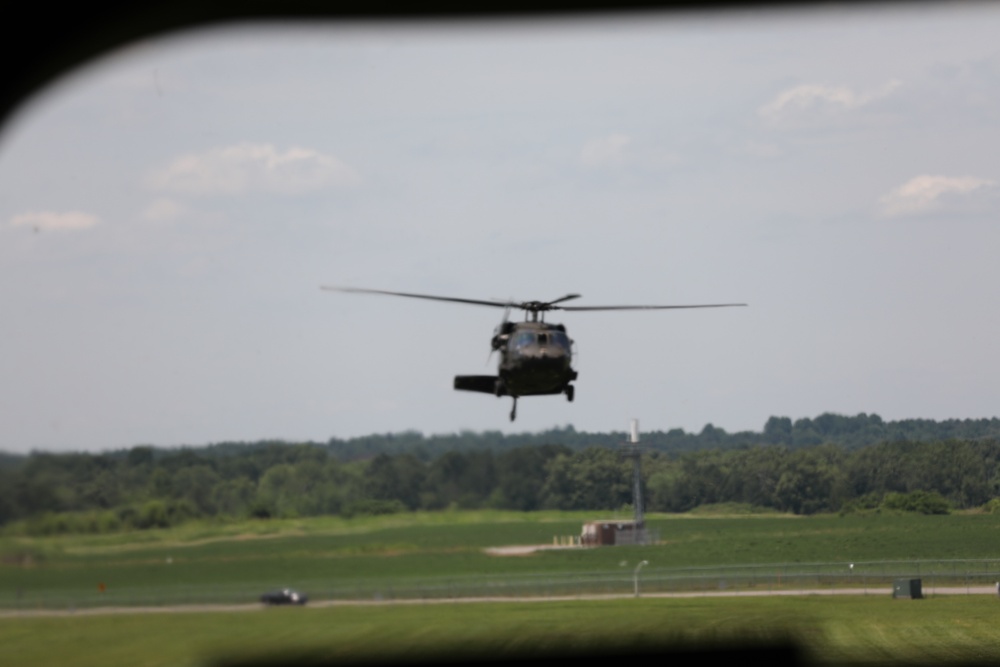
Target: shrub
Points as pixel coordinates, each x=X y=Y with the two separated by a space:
x=369 y=507
x=152 y=515
x=924 y=502
x=993 y=506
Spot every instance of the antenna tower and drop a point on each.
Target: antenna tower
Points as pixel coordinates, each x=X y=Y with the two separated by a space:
x=630 y=450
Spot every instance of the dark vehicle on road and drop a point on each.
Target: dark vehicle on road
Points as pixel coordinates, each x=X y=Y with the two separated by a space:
x=283 y=596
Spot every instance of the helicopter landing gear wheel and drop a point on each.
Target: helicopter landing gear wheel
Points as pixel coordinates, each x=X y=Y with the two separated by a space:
x=570 y=391
x=513 y=410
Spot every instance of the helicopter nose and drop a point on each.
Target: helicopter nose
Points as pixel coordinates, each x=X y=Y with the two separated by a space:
x=549 y=357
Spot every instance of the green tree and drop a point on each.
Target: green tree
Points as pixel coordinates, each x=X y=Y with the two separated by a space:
x=521 y=473
x=595 y=478
x=234 y=497
x=195 y=484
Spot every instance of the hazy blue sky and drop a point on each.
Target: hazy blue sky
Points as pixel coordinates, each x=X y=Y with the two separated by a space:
x=168 y=213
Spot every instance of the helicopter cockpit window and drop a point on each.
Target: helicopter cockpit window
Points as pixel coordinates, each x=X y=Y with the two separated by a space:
x=549 y=339
x=524 y=339
x=559 y=339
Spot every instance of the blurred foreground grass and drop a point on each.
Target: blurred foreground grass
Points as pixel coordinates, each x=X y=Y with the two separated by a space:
x=829 y=630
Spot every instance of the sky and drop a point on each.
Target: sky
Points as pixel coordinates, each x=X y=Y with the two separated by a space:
x=169 y=212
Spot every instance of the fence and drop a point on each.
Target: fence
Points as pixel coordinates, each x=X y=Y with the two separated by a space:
x=638 y=536
x=875 y=577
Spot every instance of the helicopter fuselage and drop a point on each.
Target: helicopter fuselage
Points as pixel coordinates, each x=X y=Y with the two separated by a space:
x=535 y=360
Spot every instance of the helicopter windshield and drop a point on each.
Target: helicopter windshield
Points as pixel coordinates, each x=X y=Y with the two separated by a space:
x=559 y=339
x=548 y=338
x=523 y=340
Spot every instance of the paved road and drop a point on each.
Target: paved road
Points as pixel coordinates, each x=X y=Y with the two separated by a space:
x=217 y=608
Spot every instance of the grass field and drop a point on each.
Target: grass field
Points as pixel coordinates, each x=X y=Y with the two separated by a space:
x=332 y=556
x=235 y=563
x=828 y=629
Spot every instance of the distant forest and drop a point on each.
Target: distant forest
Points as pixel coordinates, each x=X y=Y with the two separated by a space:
x=827 y=464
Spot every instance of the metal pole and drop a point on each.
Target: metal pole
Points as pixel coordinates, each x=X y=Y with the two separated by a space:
x=635 y=576
x=630 y=449
x=637 y=491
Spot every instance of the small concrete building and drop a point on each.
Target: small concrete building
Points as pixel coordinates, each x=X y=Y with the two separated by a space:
x=610 y=533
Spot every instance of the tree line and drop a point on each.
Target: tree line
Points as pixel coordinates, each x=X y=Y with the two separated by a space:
x=851 y=432
x=147 y=488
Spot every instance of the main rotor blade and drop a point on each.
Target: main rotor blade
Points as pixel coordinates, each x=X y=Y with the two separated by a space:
x=533 y=306
x=564 y=298
x=705 y=305
x=361 y=290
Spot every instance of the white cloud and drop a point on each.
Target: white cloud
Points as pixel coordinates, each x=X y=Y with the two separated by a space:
x=814 y=98
x=928 y=193
x=253 y=167
x=605 y=151
x=162 y=209
x=51 y=220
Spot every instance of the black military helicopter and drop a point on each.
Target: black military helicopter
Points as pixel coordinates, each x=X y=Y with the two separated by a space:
x=535 y=356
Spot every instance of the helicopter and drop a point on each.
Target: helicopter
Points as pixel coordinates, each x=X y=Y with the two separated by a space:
x=535 y=355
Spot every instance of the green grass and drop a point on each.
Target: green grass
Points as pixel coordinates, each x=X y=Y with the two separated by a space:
x=336 y=557
x=830 y=630
x=443 y=552
x=769 y=539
